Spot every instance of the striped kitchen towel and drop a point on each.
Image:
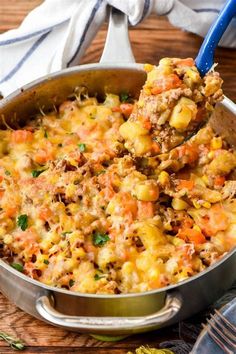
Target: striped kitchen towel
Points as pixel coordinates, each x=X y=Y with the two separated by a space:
x=56 y=34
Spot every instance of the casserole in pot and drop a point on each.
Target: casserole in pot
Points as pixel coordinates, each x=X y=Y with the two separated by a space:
x=133 y=312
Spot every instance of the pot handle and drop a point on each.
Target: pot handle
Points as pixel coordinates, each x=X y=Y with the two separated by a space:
x=117 y=46
x=123 y=325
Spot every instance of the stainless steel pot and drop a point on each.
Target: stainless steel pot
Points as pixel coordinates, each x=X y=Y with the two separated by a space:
x=108 y=314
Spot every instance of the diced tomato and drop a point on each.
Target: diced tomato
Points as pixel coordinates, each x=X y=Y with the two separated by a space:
x=185 y=184
x=21 y=136
x=166 y=83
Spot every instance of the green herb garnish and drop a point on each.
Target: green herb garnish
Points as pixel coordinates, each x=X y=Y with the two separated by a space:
x=98 y=277
x=82 y=147
x=36 y=173
x=124 y=96
x=45 y=134
x=100 y=239
x=14 y=343
x=59 y=145
x=45 y=261
x=22 y=222
x=101 y=172
x=17 y=266
x=7 y=173
x=66 y=233
x=71 y=282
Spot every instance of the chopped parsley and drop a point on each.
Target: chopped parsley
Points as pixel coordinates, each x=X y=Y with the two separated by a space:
x=45 y=261
x=7 y=173
x=98 y=277
x=17 y=266
x=71 y=282
x=45 y=134
x=124 y=97
x=82 y=147
x=36 y=173
x=100 y=239
x=22 y=222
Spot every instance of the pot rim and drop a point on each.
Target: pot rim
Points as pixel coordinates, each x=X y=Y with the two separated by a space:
x=70 y=71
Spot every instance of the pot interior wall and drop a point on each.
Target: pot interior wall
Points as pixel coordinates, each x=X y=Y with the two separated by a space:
x=55 y=89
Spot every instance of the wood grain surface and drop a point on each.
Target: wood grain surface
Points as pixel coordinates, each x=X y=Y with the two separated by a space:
x=153 y=39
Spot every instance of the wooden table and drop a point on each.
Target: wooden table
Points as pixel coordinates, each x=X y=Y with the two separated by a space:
x=153 y=39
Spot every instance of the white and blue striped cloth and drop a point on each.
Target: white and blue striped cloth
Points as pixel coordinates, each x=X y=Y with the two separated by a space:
x=56 y=34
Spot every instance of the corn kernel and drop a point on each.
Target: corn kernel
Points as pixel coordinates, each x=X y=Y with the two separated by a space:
x=216 y=143
x=147 y=91
x=179 y=204
x=8 y=239
x=206 y=205
x=164 y=178
x=2 y=231
x=205 y=180
x=196 y=204
x=197 y=228
x=148 y=67
x=211 y=155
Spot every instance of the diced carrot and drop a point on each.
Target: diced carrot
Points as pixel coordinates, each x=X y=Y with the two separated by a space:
x=1 y=192
x=42 y=156
x=45 y=213
x=215 y=220
x=10 y=211
x=116 y=109
x=185 y=62
x=155 y=147
x=166 y=83
x=192 y=235
x=1 y=178
x=145 y=122
x=185 y=184
x=188 y=152
x=145 y=210
x=129 y=204
x=126 y=109
x=21 y=136
x=219 y=181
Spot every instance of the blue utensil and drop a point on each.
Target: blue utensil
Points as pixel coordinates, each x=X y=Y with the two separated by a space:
x=205 y=57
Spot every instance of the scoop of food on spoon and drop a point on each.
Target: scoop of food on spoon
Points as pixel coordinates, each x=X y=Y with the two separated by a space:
x=178 y=96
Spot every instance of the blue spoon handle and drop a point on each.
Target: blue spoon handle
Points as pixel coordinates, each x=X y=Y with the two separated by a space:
x=205 y=57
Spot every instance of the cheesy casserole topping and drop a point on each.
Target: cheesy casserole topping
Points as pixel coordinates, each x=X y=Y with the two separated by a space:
x=88 y=203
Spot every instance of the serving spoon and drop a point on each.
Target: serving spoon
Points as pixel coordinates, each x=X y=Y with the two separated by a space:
x=205 y=58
